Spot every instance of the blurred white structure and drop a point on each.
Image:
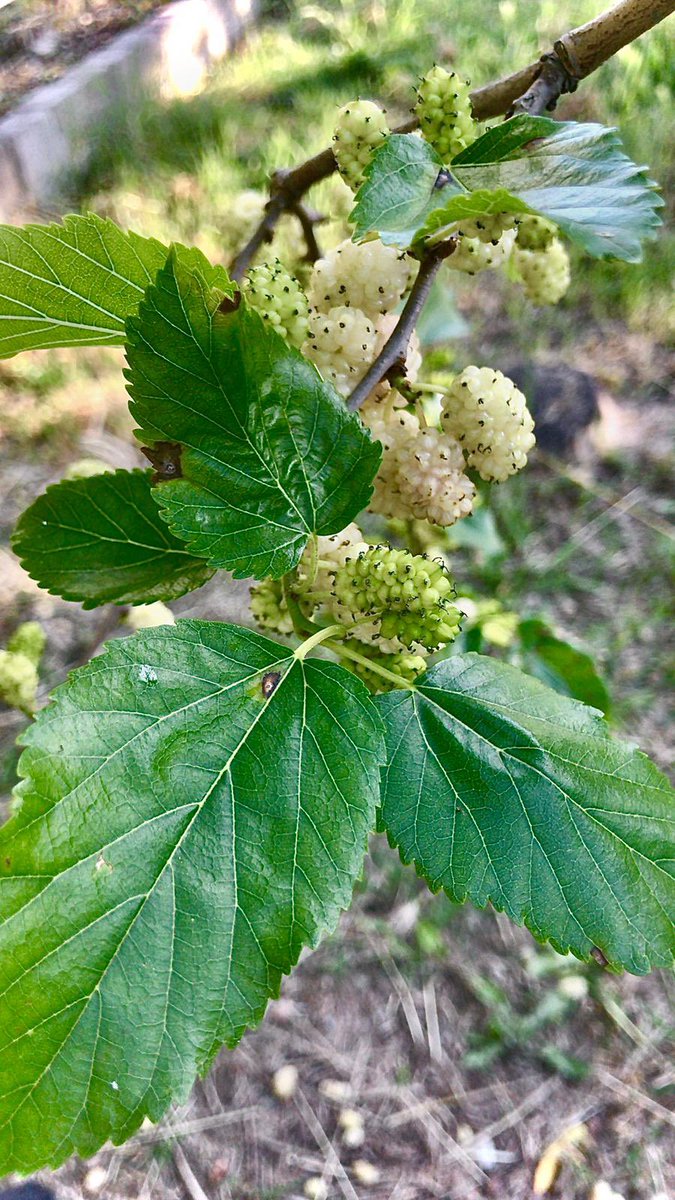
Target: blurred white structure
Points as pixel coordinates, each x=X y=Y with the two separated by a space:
x=52 y=131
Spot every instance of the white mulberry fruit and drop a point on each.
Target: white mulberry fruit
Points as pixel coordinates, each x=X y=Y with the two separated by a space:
x=444 y=111
x=278 y=297
x=269 y=607
x=489 y=416
x=403 y=663
x=370 y=276
x=341 y=343
x=360 y=128
x=534 y=233
x=545 y=274
x=473 y=254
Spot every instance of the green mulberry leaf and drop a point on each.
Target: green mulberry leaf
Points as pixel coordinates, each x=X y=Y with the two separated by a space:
x=502 y=791
x=400 y=190
x=194 y=812
x=73 y=284
x=574 y=174
x=270 y=453
x=101 y=540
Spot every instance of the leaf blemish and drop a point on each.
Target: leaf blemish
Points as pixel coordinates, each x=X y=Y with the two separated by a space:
x=269 y=683
x=147 y=674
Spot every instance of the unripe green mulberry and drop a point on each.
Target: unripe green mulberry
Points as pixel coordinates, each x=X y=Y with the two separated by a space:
x=361 y=127
x=404 y=664
x=489 y=416
x=29 y=639
x=534 y=233
x=278 y=297
x=269 y=607
x=545 y=274
x=408 y=594
x=488 y=229
x=444 y=111
x=18 y=680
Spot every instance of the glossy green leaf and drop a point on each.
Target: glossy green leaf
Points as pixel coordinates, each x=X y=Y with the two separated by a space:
x=73 y=284
x=102 y=540
x=399 y=190
x=562 y=666
x=575 y=174
x=502 y=791
x=270 y=452
x=194 y=812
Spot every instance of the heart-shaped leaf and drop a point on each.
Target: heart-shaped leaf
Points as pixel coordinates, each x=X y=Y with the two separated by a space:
x=102 y=540
x=502 y=791
x=270 y=453
x=73 y=284
x=194 y=812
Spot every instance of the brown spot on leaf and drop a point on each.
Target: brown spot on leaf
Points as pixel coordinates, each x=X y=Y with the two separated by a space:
x=599 y=957
x=165 y=458
x=230 y=304
x=269 y=683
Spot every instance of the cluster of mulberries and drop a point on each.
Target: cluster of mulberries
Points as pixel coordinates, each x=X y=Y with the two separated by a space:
x=545 y=274
x=19 y=664
x=535 y=233
x=443 y=108
x=407 y=596
x=341 y=343
x=484 y=243
x=422 y=470
x=360 y=128
x=370 y=276
x=269 y=608
x=278 y=297
x=489 y=416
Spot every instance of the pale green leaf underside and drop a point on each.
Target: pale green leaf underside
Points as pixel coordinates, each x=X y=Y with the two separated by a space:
x=101 y=540
x=195 y=811
x=574 y=174
x=270 y=453
x=502 y=791
x=72 y=284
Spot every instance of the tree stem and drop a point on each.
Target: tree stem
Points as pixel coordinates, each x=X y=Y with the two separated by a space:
x=395 y=349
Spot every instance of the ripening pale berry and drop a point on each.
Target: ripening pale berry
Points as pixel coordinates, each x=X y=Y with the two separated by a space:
x=29 y=639
x=422 y=470
x=18 y=680
x=360 y=128
x=408 y=594
x=488 y=229
x=341 y=343
x=489 y=416
x=473 y=254
x=269 y=607
x=444 y=111
x=278 y=297
x=370 y=276
x=403 y=663
x=534 y=233
x=245 y=211
x=321 y=558
x=545 y=274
